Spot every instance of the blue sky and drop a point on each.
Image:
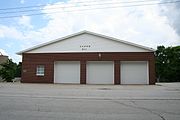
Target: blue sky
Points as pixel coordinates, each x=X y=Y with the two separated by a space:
x=149 y=25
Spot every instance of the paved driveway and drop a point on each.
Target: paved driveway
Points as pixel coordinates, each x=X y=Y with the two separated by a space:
x=89 y=102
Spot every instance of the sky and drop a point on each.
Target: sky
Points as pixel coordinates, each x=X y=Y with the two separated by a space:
x=26 y=23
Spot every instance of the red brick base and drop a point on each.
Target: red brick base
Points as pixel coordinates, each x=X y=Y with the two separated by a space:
x=31 y=60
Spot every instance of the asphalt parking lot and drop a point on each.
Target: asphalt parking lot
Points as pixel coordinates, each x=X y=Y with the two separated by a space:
x=89 y=102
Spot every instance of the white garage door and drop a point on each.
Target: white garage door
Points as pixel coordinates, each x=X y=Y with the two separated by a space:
x=134 y=72
x=67 y=72
x=100 y=72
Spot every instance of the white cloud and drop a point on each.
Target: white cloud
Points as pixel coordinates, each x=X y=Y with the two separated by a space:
x=9 y=45
x=25 y=21
x=16 y=58
x=142 y=25
x=3 y=52
x=10 y=32
x=173 y=15
x=22 y=1
x=1 y=33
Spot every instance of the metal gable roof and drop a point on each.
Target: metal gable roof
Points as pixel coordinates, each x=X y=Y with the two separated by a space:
x=85 y=32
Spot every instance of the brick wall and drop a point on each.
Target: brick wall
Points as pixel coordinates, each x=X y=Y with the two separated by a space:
x=31 y=60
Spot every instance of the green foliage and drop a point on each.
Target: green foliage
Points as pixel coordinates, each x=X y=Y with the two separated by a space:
x=8 y=70
x=168 y=64
x=18 y=70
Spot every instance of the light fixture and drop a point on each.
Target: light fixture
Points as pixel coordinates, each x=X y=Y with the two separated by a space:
x=99 y=55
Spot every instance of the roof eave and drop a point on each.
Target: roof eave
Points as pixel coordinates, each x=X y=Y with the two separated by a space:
x=50 y=42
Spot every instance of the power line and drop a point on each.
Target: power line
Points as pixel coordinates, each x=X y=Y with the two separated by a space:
x=42 y=5
x=135 y=5
x=74 y=6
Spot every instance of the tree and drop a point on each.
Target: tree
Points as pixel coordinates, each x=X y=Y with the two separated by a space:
x=18 y=70
x=8 y=70
x=168 y=64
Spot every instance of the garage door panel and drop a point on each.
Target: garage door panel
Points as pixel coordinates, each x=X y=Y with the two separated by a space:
x=100 y=72
x=67 y=72
x=134 y=72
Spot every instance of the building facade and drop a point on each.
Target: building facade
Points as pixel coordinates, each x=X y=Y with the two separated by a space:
x=88 y=58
